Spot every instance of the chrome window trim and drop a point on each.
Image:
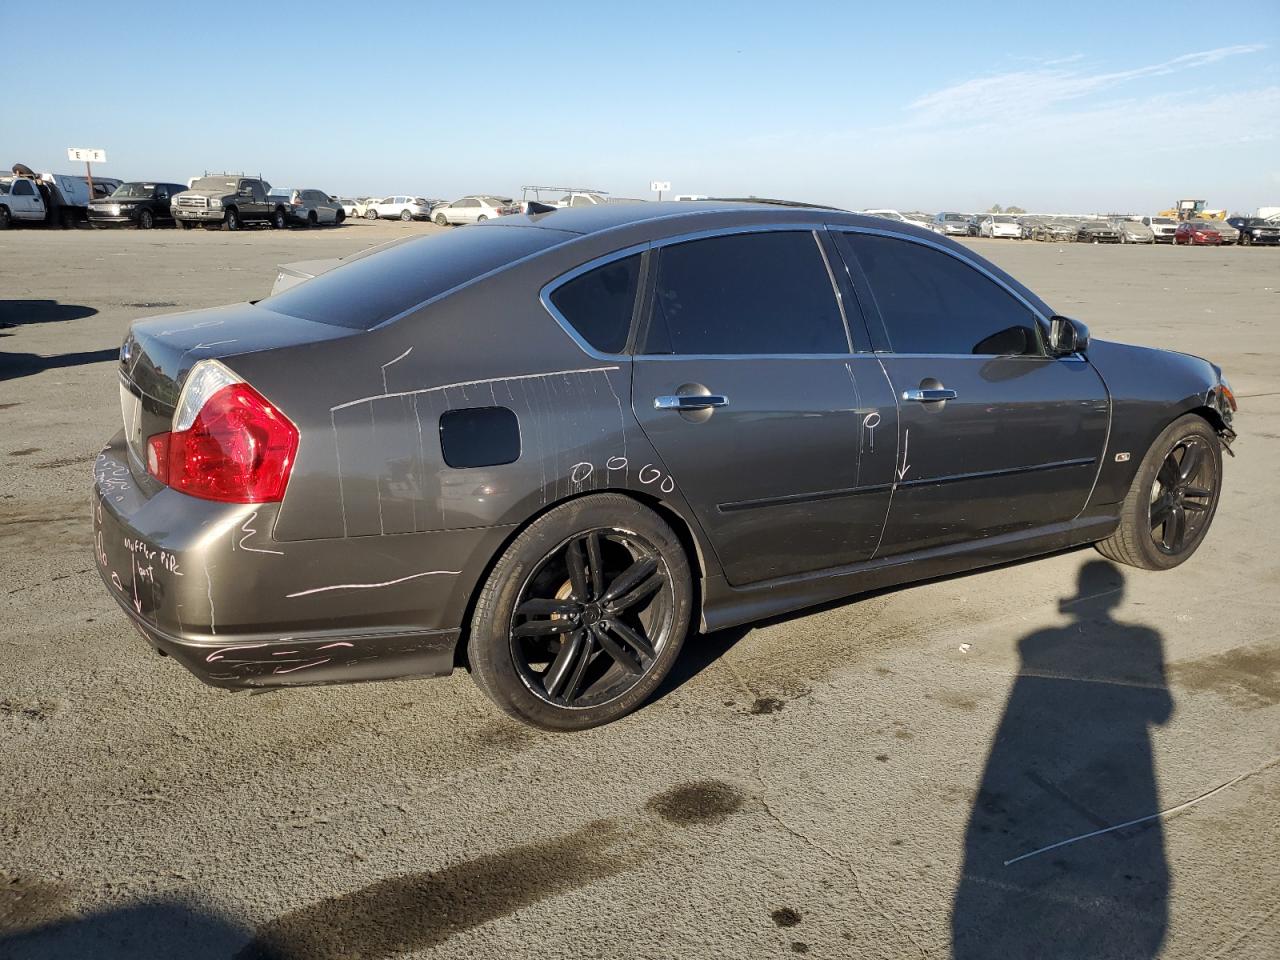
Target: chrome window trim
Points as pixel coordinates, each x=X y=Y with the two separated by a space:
x=932 y=244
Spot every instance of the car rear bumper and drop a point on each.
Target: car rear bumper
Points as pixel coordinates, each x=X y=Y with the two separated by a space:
x=207 y=584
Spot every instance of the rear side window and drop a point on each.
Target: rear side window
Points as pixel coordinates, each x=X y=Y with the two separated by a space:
x=598 y=304
x=759 y=293
x=932 y=302
x=368 y=290
x=22 y=189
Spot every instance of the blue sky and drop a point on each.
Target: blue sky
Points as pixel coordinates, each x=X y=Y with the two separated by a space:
x=1087 y=106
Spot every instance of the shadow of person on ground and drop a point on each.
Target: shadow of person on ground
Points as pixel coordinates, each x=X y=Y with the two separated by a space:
x=1072 y=755
x=22 y=313
x=152 y=930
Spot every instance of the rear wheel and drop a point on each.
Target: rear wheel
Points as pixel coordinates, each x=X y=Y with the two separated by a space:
x=583 y=615
x=340 y=216
x=146 y=220
x=1173 y=498
x=6 y=218
x=441 y=220
x=278 y=220
x=312 y=219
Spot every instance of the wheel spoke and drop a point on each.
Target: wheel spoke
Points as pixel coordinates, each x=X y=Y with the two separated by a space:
x=611 y=646
x=595 y=565
x=581 y=661
x=1195 y=505
x=637 y=642
x=577 y=570
x=629 y=600
x=1168 y=474
x=630 y=578
x=1174 y=528
x=1196 y=492
x=545 y=608
x=543 y=628
x=1159 y=513
x=1190 y=465
x=558 y=672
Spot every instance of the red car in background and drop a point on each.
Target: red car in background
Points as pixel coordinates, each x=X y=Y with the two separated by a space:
x=1196 y=232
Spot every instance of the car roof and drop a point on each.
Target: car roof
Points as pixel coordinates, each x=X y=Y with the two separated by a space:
x=609 y=216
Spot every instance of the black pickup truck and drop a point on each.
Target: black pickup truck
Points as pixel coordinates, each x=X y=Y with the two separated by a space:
x=1256 y=230
x=229 y=200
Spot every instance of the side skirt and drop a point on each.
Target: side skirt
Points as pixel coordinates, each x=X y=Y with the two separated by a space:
x=726 y=606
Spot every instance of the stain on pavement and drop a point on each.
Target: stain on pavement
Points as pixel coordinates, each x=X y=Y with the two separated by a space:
x=706 y=801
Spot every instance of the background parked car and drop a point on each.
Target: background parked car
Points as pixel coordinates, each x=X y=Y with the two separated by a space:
x=1133 y=231
x=228 y=199
x=1229 y=233
x=140 y=202
x=1197 y=233
x=51 y=198
x=308 y=208
x=1163 y=228
x=351 y=207
x=1000 y=225
x=1256 y=230
x=473 y=209
x=401 y=207
x=1097 y=231
x=952 y=224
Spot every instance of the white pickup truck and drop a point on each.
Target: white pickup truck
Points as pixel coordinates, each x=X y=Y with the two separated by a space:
x=570 y=197
x=27 y=197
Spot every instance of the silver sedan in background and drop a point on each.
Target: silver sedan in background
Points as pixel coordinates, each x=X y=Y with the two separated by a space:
x=1133 y=231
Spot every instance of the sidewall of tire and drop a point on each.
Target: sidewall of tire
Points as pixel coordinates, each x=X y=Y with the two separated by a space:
x=488 y=646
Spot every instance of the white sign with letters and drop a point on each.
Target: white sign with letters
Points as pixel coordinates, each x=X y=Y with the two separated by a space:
x=660 y=186
x=86 y=154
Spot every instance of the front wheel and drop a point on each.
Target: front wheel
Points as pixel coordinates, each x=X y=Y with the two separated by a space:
x=371 y=214
x=441 y=220
x=583 y=615
x=339 y=217
x=146 y=220
x=231 y=219
x=406 y=216
x=6 y=218
x=1173 y=498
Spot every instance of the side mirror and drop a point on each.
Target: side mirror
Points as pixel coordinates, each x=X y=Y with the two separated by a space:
x=1067 y=336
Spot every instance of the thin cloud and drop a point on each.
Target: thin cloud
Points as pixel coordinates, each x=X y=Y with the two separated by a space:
x=1017 y=95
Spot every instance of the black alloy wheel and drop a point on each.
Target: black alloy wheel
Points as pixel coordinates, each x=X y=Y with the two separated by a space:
x=590 y=621
x=146 y=219
x=278 y=220
x=1181 y=496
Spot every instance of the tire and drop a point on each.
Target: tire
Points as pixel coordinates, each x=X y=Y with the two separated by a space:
x=146 y=220
x=441 y=220
x=405 y=216
x=231 y=219
x=1159 y=483
x=371 y=214
x=1245 y=239
x=6 y=218
x=481 y=219
x=67 y=220
x=312 y=220
x=185 y=224
x=339 y=218
x=595 y=686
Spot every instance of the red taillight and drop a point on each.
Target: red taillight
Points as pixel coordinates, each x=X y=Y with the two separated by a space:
x=239 y=449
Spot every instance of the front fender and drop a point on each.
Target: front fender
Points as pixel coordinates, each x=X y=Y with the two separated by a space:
x=1150 y=389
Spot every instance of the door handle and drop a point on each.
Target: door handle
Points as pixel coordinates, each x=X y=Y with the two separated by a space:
x=931 y=395
x=686 y=402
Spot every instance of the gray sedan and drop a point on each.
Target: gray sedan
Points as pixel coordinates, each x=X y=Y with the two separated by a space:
x=554 y=448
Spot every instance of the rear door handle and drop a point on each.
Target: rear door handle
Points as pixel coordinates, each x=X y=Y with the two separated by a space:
x=929 y=395
x=690 y=402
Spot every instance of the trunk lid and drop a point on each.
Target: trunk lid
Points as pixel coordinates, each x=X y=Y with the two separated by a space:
x=159 y=352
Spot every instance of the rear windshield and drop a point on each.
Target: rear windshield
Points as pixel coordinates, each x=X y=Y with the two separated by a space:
x=368 y=290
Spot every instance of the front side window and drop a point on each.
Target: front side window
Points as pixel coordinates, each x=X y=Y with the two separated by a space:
x=932 y=302
x=598 y=303
x=21 y=188
x=756 y=293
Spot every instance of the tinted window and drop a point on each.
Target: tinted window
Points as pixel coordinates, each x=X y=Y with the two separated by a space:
x=598 y=303
x=932 y=302
x=745 y=294
x=368 y=290
x=21 y=188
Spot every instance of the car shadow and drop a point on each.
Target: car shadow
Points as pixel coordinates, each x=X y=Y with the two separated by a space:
x=23 y=313
x=158 y=929
x=1071 y=758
